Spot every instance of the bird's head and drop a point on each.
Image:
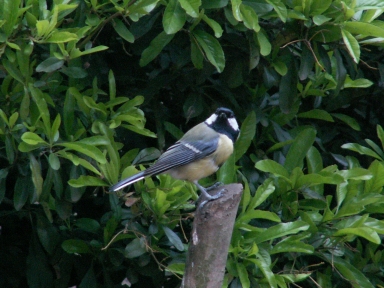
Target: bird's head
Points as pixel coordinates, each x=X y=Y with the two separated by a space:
x=224 y=121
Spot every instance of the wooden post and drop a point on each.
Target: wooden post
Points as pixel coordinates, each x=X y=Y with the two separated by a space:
x=211 y=236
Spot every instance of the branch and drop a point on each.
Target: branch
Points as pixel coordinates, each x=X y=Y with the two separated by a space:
x=211 y=236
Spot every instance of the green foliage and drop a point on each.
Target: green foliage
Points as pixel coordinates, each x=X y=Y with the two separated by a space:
x=305 y=81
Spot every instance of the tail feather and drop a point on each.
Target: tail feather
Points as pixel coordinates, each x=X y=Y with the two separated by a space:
x=127 y=181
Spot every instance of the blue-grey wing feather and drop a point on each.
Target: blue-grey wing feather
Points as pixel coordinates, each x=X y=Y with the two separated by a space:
x=182 y=153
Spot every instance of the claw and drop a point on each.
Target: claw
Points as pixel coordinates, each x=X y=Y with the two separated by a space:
x=210 y=198
x=206 y=196
x=214 y=186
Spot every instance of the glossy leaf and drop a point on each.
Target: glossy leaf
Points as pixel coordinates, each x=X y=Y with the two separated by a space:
x=361 y=150
x=155 y=47
x=86 y=181
x=173 y=238
x=135 y=248
x=364 y=232
x=75 y=246
x=212 y=49
x=280 y=9
x=214 y=25
x=247 y=134
x=123 y=31
x=191 y=7
x=174 y=17
x=281 y=230
x=317 y=114
x=349 y=271
x=86 y=149
x=299 y=149
x=352 y=45
x=273 y=167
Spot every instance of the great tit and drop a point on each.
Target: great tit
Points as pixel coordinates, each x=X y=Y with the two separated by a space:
x=198 y=154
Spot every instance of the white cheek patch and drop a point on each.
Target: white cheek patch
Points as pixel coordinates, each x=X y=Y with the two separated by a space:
x=211 y=119
x=233 y=123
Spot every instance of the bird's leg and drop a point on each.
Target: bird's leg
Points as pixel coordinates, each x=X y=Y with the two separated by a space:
x=207 y=197
x=214 y=186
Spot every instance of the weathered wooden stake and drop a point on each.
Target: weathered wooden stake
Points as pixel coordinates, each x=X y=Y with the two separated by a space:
x=211 y=236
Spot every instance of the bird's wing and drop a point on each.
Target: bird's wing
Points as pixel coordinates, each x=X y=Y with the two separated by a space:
x=182 y=153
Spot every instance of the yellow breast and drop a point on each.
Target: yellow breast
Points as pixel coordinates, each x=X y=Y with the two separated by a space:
x=206 y=166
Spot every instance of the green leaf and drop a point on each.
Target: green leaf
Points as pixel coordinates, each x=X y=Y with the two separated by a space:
x=356 y=173
x=74 y=72
x=316 y=114
x=173 y=238
x=86 y=149
x=299 y=149
x=350 y=272
x=77 y=53
x=227 y=171
x=292 y=246
x=365 y=29
x=212 y=49
x=88 y=224
x=214 y=25
x=306 y=62
x=361 y=150
x=9 y=13
x=191 y=7
x=280 y=230
x=61 y=37
x=123 y=31
x=146 y=155
x=87 y=181
x=320 y=19
x=37 y=179
x=177 y=268
x=262 y=193
x=243 y=275
x=75 y=246
x=32 y=139
x=365 y=232
x=22 y=190
x=247 y=134
x=351 y=122
x=249 y=17
x=174 y=17
x=155 y=47
x=12 y=70
x=265 y=45
x=280 y=9
x=380 y=134
x=273 y=167
x=135 y=248
x=314 y=160
x=258 y=214
x=54 y=161
x=358 y=83
x=318 y=7
x=352 y=45
x=41 y=103
x=264 y=266
x=197 y=56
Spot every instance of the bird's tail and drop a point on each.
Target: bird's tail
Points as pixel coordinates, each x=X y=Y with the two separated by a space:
x=126 y=182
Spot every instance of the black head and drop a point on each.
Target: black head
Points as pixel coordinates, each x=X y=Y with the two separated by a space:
x=224 y=121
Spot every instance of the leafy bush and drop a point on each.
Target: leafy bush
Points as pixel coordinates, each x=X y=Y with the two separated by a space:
x=303 y=77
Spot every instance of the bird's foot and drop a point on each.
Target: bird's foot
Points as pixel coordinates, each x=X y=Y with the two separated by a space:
x=214 y=186
x=205 y=197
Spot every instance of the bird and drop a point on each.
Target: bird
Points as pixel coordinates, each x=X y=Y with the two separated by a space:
x=198 y=154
